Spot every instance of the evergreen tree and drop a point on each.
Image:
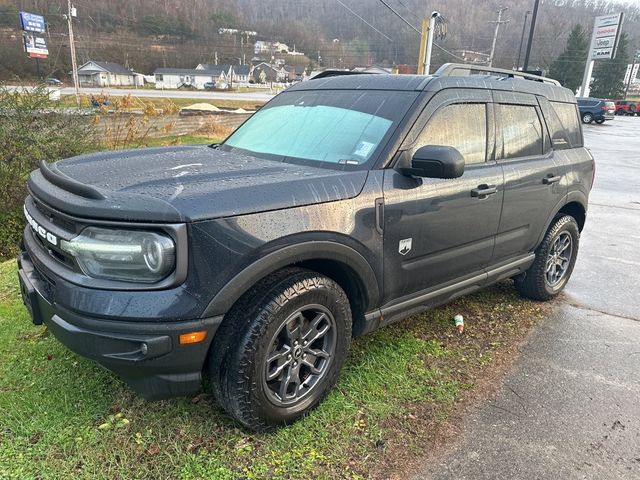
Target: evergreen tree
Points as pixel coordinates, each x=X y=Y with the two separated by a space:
x=569 y=67
x=608 y=75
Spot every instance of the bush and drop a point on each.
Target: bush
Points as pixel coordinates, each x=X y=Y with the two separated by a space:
x=31 y=131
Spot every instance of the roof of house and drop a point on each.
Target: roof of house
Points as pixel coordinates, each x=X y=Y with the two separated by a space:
x=104 y=66
x=241 y=69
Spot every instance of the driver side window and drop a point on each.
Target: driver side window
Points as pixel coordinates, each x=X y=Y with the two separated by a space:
x=462 y=126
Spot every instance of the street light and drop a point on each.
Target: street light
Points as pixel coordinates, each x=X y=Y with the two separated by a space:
x=524 y=26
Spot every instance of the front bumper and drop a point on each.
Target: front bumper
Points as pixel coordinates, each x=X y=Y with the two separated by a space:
x=147 y=355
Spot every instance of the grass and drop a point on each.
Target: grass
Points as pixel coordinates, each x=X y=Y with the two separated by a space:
x=69 y=101
x=63 y=416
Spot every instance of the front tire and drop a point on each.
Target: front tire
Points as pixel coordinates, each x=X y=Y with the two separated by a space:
x=282 y=351
x=587 y=118
x=555 y=259
x=600 y=121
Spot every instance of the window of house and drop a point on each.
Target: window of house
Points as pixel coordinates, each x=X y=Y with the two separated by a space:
x=521 y=130
x=462 y=126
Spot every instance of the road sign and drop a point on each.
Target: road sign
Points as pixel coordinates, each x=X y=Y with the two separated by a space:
x=32 y=23
x=606 y=33
x=627 y=73
x=634 y=72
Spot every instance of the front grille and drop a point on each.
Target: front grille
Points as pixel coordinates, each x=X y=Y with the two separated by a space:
x=55 y=224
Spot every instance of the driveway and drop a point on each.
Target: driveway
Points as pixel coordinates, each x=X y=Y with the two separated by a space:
x=570 y=407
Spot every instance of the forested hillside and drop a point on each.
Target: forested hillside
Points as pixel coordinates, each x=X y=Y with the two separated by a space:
x=145 y=34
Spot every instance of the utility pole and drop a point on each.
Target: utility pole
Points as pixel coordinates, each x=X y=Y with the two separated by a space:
x=532 y=28
x=495 y=33
x=71 y=12
x=426 y=43
x=524 y=26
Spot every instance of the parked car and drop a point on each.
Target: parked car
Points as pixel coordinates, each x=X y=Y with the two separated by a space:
x=344 y=204
x=624 y=107
x=596 y=109
x=209 y=86
x=54 y=82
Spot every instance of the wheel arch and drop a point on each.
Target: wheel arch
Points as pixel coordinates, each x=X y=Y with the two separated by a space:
x=574 y=204
x=341 y=263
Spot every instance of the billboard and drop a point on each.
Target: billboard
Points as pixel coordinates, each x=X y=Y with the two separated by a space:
x=32 y=23
x=36 y=47
x=606 y=33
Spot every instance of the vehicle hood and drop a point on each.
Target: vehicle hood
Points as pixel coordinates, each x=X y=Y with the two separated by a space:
x=177 y=184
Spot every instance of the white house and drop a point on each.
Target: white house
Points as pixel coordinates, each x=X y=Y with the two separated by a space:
x=107 y=74
x=240 y=73
x=173 y=78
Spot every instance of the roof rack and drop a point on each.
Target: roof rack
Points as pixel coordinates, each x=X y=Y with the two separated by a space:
x=464 y=70
x=335 y=73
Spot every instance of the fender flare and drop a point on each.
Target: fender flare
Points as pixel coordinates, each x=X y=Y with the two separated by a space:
x=283 y=257
x=576 y=196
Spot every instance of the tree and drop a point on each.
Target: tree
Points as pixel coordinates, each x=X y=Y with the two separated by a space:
x=608 y=75
x=569 y=66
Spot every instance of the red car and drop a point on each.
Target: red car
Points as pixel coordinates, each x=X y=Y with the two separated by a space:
x=624 y=107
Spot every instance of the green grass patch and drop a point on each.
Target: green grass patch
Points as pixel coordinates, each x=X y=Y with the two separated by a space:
x=65 y=417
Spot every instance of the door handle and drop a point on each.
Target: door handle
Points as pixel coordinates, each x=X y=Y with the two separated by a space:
x=483 y=190
x=549 y=179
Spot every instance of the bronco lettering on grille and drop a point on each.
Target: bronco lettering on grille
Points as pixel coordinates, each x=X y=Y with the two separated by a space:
x=39 y=229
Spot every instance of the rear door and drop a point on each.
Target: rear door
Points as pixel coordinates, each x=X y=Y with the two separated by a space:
x=534 y=177
x=437 y=230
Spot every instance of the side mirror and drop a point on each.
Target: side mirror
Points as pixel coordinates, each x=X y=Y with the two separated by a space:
x=436 y=161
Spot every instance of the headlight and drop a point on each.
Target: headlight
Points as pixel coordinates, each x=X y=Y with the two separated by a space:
x=125 y=255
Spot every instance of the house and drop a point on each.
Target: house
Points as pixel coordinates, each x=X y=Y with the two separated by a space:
x=107 y=74
x=262 y=47
x=172 y=78
x=265 y=73
x=240 y=73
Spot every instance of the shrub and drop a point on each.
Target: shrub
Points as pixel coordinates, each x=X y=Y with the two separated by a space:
x=31 y=131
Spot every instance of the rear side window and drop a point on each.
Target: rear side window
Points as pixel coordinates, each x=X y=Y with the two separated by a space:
x=569 y=118
x=462 y=126
x=521 y=131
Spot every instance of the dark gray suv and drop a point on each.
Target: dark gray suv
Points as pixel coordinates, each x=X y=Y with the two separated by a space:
x=346 y=203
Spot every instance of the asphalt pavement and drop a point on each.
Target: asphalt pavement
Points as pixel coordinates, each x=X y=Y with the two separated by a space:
x=570 y=406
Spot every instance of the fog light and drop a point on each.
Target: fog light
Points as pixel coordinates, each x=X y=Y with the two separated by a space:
x=144 y=348
x=193 y=337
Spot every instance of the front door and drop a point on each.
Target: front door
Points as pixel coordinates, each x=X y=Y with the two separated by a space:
x=436 y=230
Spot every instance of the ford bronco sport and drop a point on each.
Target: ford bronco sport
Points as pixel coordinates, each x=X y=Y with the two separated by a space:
x=344 y=204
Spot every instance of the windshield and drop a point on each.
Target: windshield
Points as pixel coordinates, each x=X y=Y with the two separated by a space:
x=340 y=127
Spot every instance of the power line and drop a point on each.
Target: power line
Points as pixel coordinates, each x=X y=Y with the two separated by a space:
x=354 y=13
x=400 y=16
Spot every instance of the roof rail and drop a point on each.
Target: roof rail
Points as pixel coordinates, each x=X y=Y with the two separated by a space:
x=334 y=73
x=464 y=70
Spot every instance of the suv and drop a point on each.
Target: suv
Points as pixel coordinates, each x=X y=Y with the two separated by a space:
x=344 y=204
x=624 y=107
x=596 y=109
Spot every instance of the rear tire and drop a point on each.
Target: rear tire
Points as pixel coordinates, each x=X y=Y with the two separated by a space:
x=600 y=121
x=587 y=118
x=281 y=348
x=555 y=259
